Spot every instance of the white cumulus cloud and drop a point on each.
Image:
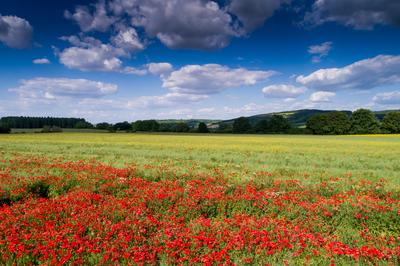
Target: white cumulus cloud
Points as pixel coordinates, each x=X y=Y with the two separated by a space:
x=319 y=51
x=15 y=32
x=212 y=78
x=191 y=24
x=361 y=75
x=387 y=98
x=160 y=68
x=93 y=18
x=322 y=96
x=167 y=100
x=42 y=88
x=90 y=54
x=283 y=91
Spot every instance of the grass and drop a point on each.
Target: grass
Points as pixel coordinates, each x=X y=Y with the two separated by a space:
x=38 y=130
x=325 y=192
x=238 y=156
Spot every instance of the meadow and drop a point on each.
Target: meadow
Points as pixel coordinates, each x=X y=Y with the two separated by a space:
x=100 y=198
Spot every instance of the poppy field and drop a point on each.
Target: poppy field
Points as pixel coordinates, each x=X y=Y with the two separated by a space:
x=137 y=199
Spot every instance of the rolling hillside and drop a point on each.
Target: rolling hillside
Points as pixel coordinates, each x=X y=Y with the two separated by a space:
x=298 y=118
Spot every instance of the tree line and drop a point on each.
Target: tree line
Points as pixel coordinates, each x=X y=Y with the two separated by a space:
x=362 y=121
x=40 y=122
x=152 y=126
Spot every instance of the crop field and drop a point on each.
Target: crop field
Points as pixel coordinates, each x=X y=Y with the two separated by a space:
x=127 y=199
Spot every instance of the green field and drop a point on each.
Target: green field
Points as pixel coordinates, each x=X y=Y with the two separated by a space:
x=246 y=199
x=238 y=156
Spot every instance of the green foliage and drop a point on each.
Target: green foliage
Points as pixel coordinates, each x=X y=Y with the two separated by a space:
x=224 y=128
x=241 y=125
x=275 y=124
x=363 y=121
x=278 y=124
x=122 y=126
x=338 y=122
x=104 y=126
x=318 y=124
x=83 y=124
x=39 y=122
x=182 y=127
x=202 y=128
x=146 y=126
x=261 y=126
x=391 y=122
x=5 y=130
x=333 y=123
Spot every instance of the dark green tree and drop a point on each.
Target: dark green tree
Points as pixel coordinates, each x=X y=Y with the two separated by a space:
x=39 y=122
x=241 y=125
x=318 y=124
x=146 y=125
x=338 y=123
x=391 y=122
x=261 y=126
x=224 y=128
x=363 y=121
x=278 y=124
x=123 y=126
x=83 y=124
x=333 y=123
x=182 y=127
x=202 y=128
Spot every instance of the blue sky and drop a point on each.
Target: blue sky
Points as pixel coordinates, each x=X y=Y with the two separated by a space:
x=136 y=59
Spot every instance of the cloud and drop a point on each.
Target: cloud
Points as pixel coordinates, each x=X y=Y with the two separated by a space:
x=253 y=13
x=98 y=20
x=58 y=88
x=387 y=98
x=322 y=96
x=15 y=32
x=167 y=100
x=358 y=14
x=283 y=91
x=41 y=61
x=134 y=71
x=195 y=24
x=160 y=68
x=194 y=83
x=90 y=54
x=188 y=24
x=250 y=108
x=319 y=51
x=212 y=78
x=100 y=58
x=361 y=75
x=128 y=40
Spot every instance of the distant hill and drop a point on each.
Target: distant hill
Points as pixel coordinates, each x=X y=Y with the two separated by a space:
x=298 y=118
